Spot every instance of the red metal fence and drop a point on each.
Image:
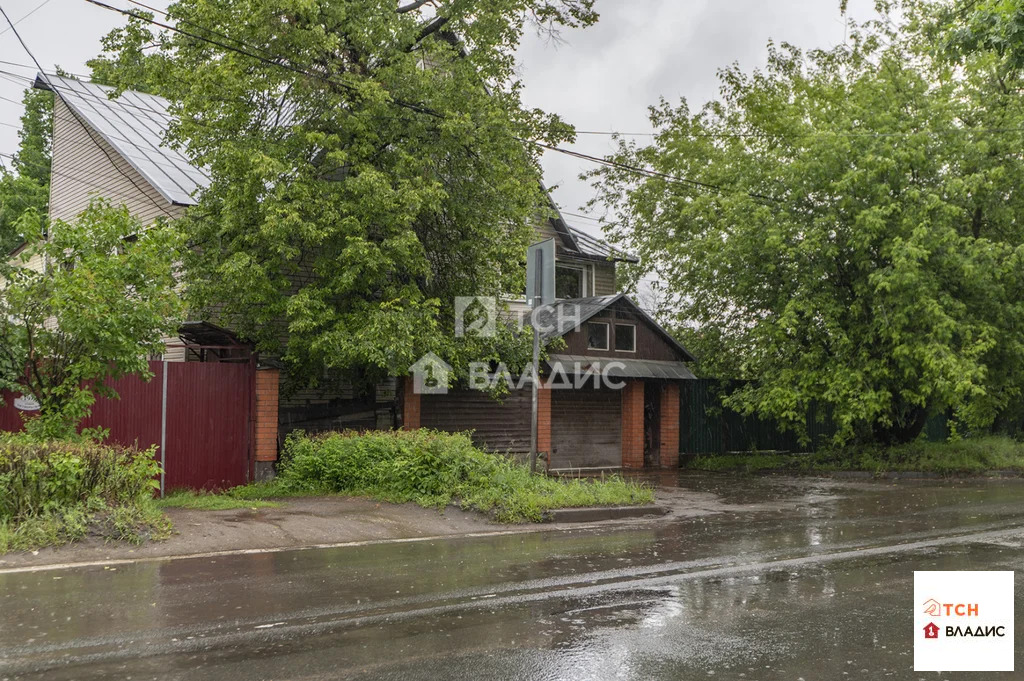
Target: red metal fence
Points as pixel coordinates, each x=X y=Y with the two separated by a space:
x=203 y=420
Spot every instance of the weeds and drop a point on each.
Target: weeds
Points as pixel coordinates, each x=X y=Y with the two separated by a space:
x=960 y=457
x=432 y=469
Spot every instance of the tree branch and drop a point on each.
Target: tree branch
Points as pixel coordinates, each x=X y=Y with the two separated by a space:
x=412 y=6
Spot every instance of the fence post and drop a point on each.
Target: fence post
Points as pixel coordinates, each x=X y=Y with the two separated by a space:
x=163 y=430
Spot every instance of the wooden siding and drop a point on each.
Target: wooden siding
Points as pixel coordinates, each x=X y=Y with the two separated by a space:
x=586 y=428
x=498 y=426
x=649 y=343
x=604 y=279
x=86 y=167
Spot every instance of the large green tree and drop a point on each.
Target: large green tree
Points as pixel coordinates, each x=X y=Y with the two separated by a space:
x=367 y=166
x=25 y=182
x=856 y=242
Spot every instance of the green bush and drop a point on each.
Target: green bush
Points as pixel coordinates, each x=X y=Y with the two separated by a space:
x=52 y=492
x=435 y=469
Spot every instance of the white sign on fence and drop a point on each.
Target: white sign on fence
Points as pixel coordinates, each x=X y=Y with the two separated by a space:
x=25 y=403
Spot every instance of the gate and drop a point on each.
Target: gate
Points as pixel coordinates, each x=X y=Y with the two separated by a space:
x=199 y=414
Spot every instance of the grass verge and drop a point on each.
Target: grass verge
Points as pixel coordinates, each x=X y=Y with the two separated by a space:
x=433 y=469
x=209 y=501
x=969 y=456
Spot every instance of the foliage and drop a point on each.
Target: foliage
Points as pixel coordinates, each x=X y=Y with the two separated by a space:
x=956 y=457
x=25 y=186
x=96 y=308
x=435 y=469
x=856 y=240
x=208 y=501
x=55 y=492
x=367 y=166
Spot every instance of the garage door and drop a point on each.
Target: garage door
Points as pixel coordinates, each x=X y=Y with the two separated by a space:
x=498 y=426
x=586 y=428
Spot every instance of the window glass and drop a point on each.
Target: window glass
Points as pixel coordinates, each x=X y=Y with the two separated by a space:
x=568 y=282
x=625 y=337
x=597 y=335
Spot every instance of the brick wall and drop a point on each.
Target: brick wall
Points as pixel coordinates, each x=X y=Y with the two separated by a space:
x=410 y=405
x=633 y=424
x=544 y=424
x=670 y=426
x=267 y=383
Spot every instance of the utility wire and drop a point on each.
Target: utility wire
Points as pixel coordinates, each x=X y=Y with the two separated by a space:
x=26 y=16
x=81 y=122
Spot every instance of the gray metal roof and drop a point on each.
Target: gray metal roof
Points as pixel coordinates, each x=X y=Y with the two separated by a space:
x=592 y=246
x=572 y=365
x=135 y=125
x=564 y=316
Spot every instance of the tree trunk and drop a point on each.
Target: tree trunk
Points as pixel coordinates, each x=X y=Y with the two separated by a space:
x=905 y=428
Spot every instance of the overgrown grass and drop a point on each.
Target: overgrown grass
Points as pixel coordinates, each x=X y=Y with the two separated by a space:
x=208 y=501
x=968 y=456
x=54 y=492
x=432 y=469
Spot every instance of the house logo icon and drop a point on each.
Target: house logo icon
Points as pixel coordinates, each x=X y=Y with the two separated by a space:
x=430 y=375
x=932 y=607
x=931 y=630
x=475 y=316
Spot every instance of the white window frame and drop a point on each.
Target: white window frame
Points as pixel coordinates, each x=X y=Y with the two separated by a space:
x=607 y=336
x=632 y=326
x=586 y=279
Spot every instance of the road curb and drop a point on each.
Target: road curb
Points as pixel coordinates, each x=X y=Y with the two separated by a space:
x=597 y=514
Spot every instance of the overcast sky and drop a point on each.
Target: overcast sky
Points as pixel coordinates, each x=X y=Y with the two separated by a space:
x=599 y=79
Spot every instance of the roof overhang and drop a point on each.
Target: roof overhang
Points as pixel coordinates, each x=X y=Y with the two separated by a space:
x=614 y=367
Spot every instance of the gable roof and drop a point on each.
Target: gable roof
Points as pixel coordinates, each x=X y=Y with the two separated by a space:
x=572 y=313
x=134 y=124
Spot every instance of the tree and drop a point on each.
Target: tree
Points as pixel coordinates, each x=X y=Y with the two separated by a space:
x=855 y=241
x=25 y=187
x=367 y=165
x=98 y=311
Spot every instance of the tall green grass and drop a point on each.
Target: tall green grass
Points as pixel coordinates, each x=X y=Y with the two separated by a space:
x=54 y=492
x=967 y=456
x=435 y=469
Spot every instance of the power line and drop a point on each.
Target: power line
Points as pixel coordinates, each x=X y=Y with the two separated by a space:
x=81 y=122
x=650 y=173
x=26 y=16
x=270 y=62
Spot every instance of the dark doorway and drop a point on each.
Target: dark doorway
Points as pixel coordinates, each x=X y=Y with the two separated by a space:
x=652 y=424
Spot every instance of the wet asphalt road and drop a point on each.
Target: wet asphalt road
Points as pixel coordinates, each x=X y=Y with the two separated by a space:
x=801 y=579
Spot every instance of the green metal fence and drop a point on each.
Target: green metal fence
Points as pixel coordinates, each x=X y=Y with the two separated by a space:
x=706 y=427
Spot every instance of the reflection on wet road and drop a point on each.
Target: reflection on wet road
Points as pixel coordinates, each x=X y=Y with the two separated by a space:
x=795 y=579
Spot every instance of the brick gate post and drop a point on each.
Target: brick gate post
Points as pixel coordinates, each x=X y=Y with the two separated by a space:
x=268 y=380
x=410 y=405
x=669 y=426
x=633 y=424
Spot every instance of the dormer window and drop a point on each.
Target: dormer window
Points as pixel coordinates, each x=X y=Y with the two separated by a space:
x=570 y=282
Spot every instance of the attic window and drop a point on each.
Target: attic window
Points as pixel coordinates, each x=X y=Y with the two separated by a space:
x=625 y=338
x=597 y=335
x=569 y=282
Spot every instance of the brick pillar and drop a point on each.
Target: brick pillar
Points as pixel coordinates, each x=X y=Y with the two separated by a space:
x=544 y=424
x=633 y=424
x=410 y=405
x=267 y=383
x=670 y=426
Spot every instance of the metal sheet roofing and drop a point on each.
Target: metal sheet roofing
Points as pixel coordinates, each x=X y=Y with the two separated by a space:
x=135 y=125
x=592 y=246
x=615 y=367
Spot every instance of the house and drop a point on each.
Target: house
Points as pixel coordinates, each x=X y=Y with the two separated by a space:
x=113 y=149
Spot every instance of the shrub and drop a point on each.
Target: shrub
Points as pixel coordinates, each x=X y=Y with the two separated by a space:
x=56 y=491
x=434 y=469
